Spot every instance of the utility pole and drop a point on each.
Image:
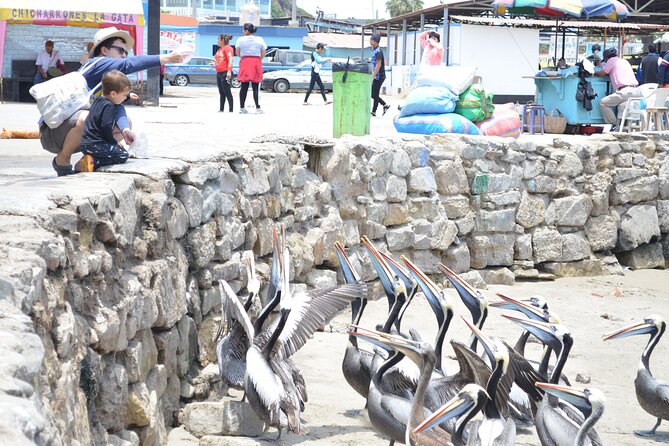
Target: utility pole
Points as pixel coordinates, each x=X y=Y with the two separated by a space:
x=153 y=47
x=293 y=21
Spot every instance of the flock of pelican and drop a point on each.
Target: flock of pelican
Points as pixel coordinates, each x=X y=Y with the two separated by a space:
x=411 y=399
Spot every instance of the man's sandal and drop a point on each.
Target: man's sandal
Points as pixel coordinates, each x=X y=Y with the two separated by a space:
x=61 y=171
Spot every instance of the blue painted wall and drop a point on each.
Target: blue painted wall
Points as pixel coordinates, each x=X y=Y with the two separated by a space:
x=275 y=36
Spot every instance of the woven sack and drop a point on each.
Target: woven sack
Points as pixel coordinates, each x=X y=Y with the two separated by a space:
x=555 y=122
x=475 y=104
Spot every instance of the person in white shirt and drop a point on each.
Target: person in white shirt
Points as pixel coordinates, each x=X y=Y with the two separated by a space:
x=251 y=49
x=48 y=63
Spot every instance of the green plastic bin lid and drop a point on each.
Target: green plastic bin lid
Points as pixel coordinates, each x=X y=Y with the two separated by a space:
x=359 y=67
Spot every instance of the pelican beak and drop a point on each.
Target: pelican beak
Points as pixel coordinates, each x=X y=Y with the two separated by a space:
x=429 y=288
x=637 y=328
x=460 y=404
x=487 y=342
x=350 y=275
x=381 y=267
x=573 y=396
x=472 y=298
x=386 y=341
x=400 y=271
x=509 y=303
x=276 y=260
x=544 y=331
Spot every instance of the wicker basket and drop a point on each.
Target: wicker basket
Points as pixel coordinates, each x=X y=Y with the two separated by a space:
x=555 y=122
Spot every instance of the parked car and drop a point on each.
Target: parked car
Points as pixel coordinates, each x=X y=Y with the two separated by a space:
x=198 y=70
x=282 y=81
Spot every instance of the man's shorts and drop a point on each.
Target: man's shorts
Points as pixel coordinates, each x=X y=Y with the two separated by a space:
x=52 y=139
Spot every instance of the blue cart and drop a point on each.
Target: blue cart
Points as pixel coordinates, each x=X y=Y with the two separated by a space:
x=557 y=92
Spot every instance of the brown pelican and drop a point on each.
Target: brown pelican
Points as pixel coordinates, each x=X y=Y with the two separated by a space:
x=267 y=382
x=357 y=362
x=557 y=423
x=464 y=406
x=476 y=303
x=493 y=429
x=590 y=402
x=652 y=394
x=395 y=416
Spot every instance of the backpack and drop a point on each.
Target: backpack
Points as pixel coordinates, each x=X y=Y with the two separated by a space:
x=59 y=98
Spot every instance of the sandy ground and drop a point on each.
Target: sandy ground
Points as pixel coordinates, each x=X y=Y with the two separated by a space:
x=335 y=413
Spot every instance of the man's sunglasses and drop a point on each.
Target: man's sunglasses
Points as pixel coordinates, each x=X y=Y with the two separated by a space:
x=120 y=49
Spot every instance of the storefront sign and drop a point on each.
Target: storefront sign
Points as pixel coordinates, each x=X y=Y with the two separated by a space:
x=61 y=15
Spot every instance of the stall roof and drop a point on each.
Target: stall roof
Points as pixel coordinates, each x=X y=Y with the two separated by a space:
x=537 y=23
x=336 y=40
x=641 y=12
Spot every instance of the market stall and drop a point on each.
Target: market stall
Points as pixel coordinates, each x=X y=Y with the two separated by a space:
x=559 y=93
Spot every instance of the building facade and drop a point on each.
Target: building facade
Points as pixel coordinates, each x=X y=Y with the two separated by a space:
x=229 y=9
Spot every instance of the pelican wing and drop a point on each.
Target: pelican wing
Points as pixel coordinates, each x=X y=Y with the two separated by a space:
x=261 y=379
x=236 y=309
x=312 y=310
x=524 y=375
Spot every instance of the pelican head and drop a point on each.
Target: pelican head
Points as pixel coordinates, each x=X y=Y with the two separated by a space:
x=392 y=284
x=556 y=336
x=438 y=299
x=253 y=285
x=650 y=325
x=375 y=337
x=470 y=399
x=401 y=272
x=585 y=400
x=509 y=303
x=350 y=274
x=414 y=350
x=495 y=349
x=476 y=303
x=275 y=274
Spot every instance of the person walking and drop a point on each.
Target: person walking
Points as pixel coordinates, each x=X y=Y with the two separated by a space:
x=379 y=74
x=623 y=81
x=647 y=72
x=223 y=59
x=251 y=49
x=316 y=62
x=663 y=72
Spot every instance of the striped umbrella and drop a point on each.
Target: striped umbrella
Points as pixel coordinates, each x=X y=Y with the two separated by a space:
x=612 y=9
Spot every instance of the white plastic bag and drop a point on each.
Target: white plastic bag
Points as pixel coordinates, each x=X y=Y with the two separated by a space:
x=59 y=98
x=186 y=52
x=140 y=146
x=455 y=78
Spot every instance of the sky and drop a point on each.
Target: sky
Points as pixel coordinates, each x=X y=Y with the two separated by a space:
x=360 y=9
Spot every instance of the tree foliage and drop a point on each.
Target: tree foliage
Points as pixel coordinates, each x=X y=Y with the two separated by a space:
x=398 y=7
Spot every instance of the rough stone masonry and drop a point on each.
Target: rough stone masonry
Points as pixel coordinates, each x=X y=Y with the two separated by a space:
x=110 y=301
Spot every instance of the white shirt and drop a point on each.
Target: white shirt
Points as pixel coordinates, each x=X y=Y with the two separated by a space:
x=250 y=45
x=46 y=60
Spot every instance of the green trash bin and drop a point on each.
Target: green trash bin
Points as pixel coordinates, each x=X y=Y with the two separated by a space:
x=352 y=92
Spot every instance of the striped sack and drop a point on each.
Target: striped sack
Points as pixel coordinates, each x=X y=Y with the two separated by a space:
x=504 y=122
x=427 y=124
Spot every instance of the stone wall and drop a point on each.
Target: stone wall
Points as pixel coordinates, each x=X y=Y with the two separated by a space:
x=109 y=289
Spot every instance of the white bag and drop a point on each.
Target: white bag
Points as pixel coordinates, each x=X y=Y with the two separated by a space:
x=59 y=98
x=140 y=146
x=455 y=78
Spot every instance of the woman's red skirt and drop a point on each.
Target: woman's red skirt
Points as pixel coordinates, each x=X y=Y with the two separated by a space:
x=250 y=69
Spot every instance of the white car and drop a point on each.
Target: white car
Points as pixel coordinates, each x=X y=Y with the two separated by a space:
x=296 y=78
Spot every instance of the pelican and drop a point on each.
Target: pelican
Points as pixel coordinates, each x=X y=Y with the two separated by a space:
x=399 y=414
x=652 y=394
x=494 y=429
x=357 y=363
x=231 y=349
x=476 y=303
x=464 y=406
x=267 y=382
x=589 y=401
x=557 y=423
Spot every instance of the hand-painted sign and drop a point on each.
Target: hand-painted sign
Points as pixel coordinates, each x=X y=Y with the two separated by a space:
x=171 y=40
x=63 y=15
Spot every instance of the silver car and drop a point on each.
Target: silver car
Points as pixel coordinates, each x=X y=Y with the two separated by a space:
x=198 y=70
x=298 y=77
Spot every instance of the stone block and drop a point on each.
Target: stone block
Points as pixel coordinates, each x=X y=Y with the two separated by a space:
x=400 y=237
x=455 y=206
x=378 y=189
x=421 y=180
x=573 y=210
x=522 y=249
x=531 y=211
x=581 y=268
x=637 y=226
x=401 y=163
x=443 y=233
x=602 y=232
x=227 y=418
x=491 y=250
x=496 y=221
x=422 y=230
x=646 y=256
x=542 y=184
x=418 y=153
x=397 y=214
x=500 y=276
x=457 y=258
x=575 y=247
x=140 y=356
x=426 y=208
x=192 y=200
x=635 y=191
x=321 y=278
x=547 y=245
x=396 y=189
x=451 y=178
x=64 y=220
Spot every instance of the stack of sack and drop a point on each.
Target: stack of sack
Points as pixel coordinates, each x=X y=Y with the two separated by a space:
x=445 y=101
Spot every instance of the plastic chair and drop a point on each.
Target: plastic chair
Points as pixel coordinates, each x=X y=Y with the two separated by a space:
x=529 y=118
x=657 y=112
x=633 y=117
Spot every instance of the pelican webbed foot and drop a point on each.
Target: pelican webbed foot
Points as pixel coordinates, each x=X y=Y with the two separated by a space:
x=650 y=433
